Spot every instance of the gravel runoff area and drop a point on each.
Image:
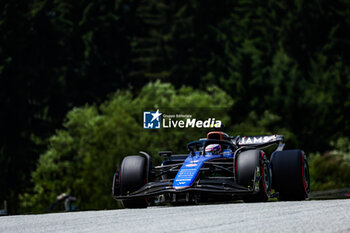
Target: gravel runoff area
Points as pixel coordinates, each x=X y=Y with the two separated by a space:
x=303 y=216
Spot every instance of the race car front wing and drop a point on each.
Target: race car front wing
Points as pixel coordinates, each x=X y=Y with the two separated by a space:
x=217 y=186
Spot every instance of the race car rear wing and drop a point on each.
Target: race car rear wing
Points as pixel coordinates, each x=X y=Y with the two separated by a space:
x=261 y=141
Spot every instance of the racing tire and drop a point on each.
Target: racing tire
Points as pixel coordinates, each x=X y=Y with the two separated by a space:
x=291 y=177
x=132 y=177
x=246 y=165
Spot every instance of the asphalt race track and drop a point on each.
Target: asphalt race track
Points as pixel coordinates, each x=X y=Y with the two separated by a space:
x=304 y=216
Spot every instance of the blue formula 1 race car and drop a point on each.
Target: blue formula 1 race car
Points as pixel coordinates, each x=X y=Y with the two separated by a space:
x=218 y=168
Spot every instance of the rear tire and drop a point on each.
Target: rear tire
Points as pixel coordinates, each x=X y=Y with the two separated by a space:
x=132 y=177
x=291 y=177
x=246 y=165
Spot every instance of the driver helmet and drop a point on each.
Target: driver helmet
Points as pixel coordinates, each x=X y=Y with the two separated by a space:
x=215 y=149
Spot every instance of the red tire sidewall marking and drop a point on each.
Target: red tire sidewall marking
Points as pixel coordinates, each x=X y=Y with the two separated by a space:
x=262 y=173
x=302 y=172
x=236 y=167
x=119 y=175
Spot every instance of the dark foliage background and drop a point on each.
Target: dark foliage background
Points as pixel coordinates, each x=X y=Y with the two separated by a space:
x=283 y=63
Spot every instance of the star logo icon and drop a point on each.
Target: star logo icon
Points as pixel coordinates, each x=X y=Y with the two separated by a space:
x=156 y=115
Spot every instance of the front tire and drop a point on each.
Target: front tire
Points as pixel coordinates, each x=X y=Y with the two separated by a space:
x=290 y=175
x=246 y=165
x=132 y=177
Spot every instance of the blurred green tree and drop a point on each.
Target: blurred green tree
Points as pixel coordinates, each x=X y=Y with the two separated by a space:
x=331 y=170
